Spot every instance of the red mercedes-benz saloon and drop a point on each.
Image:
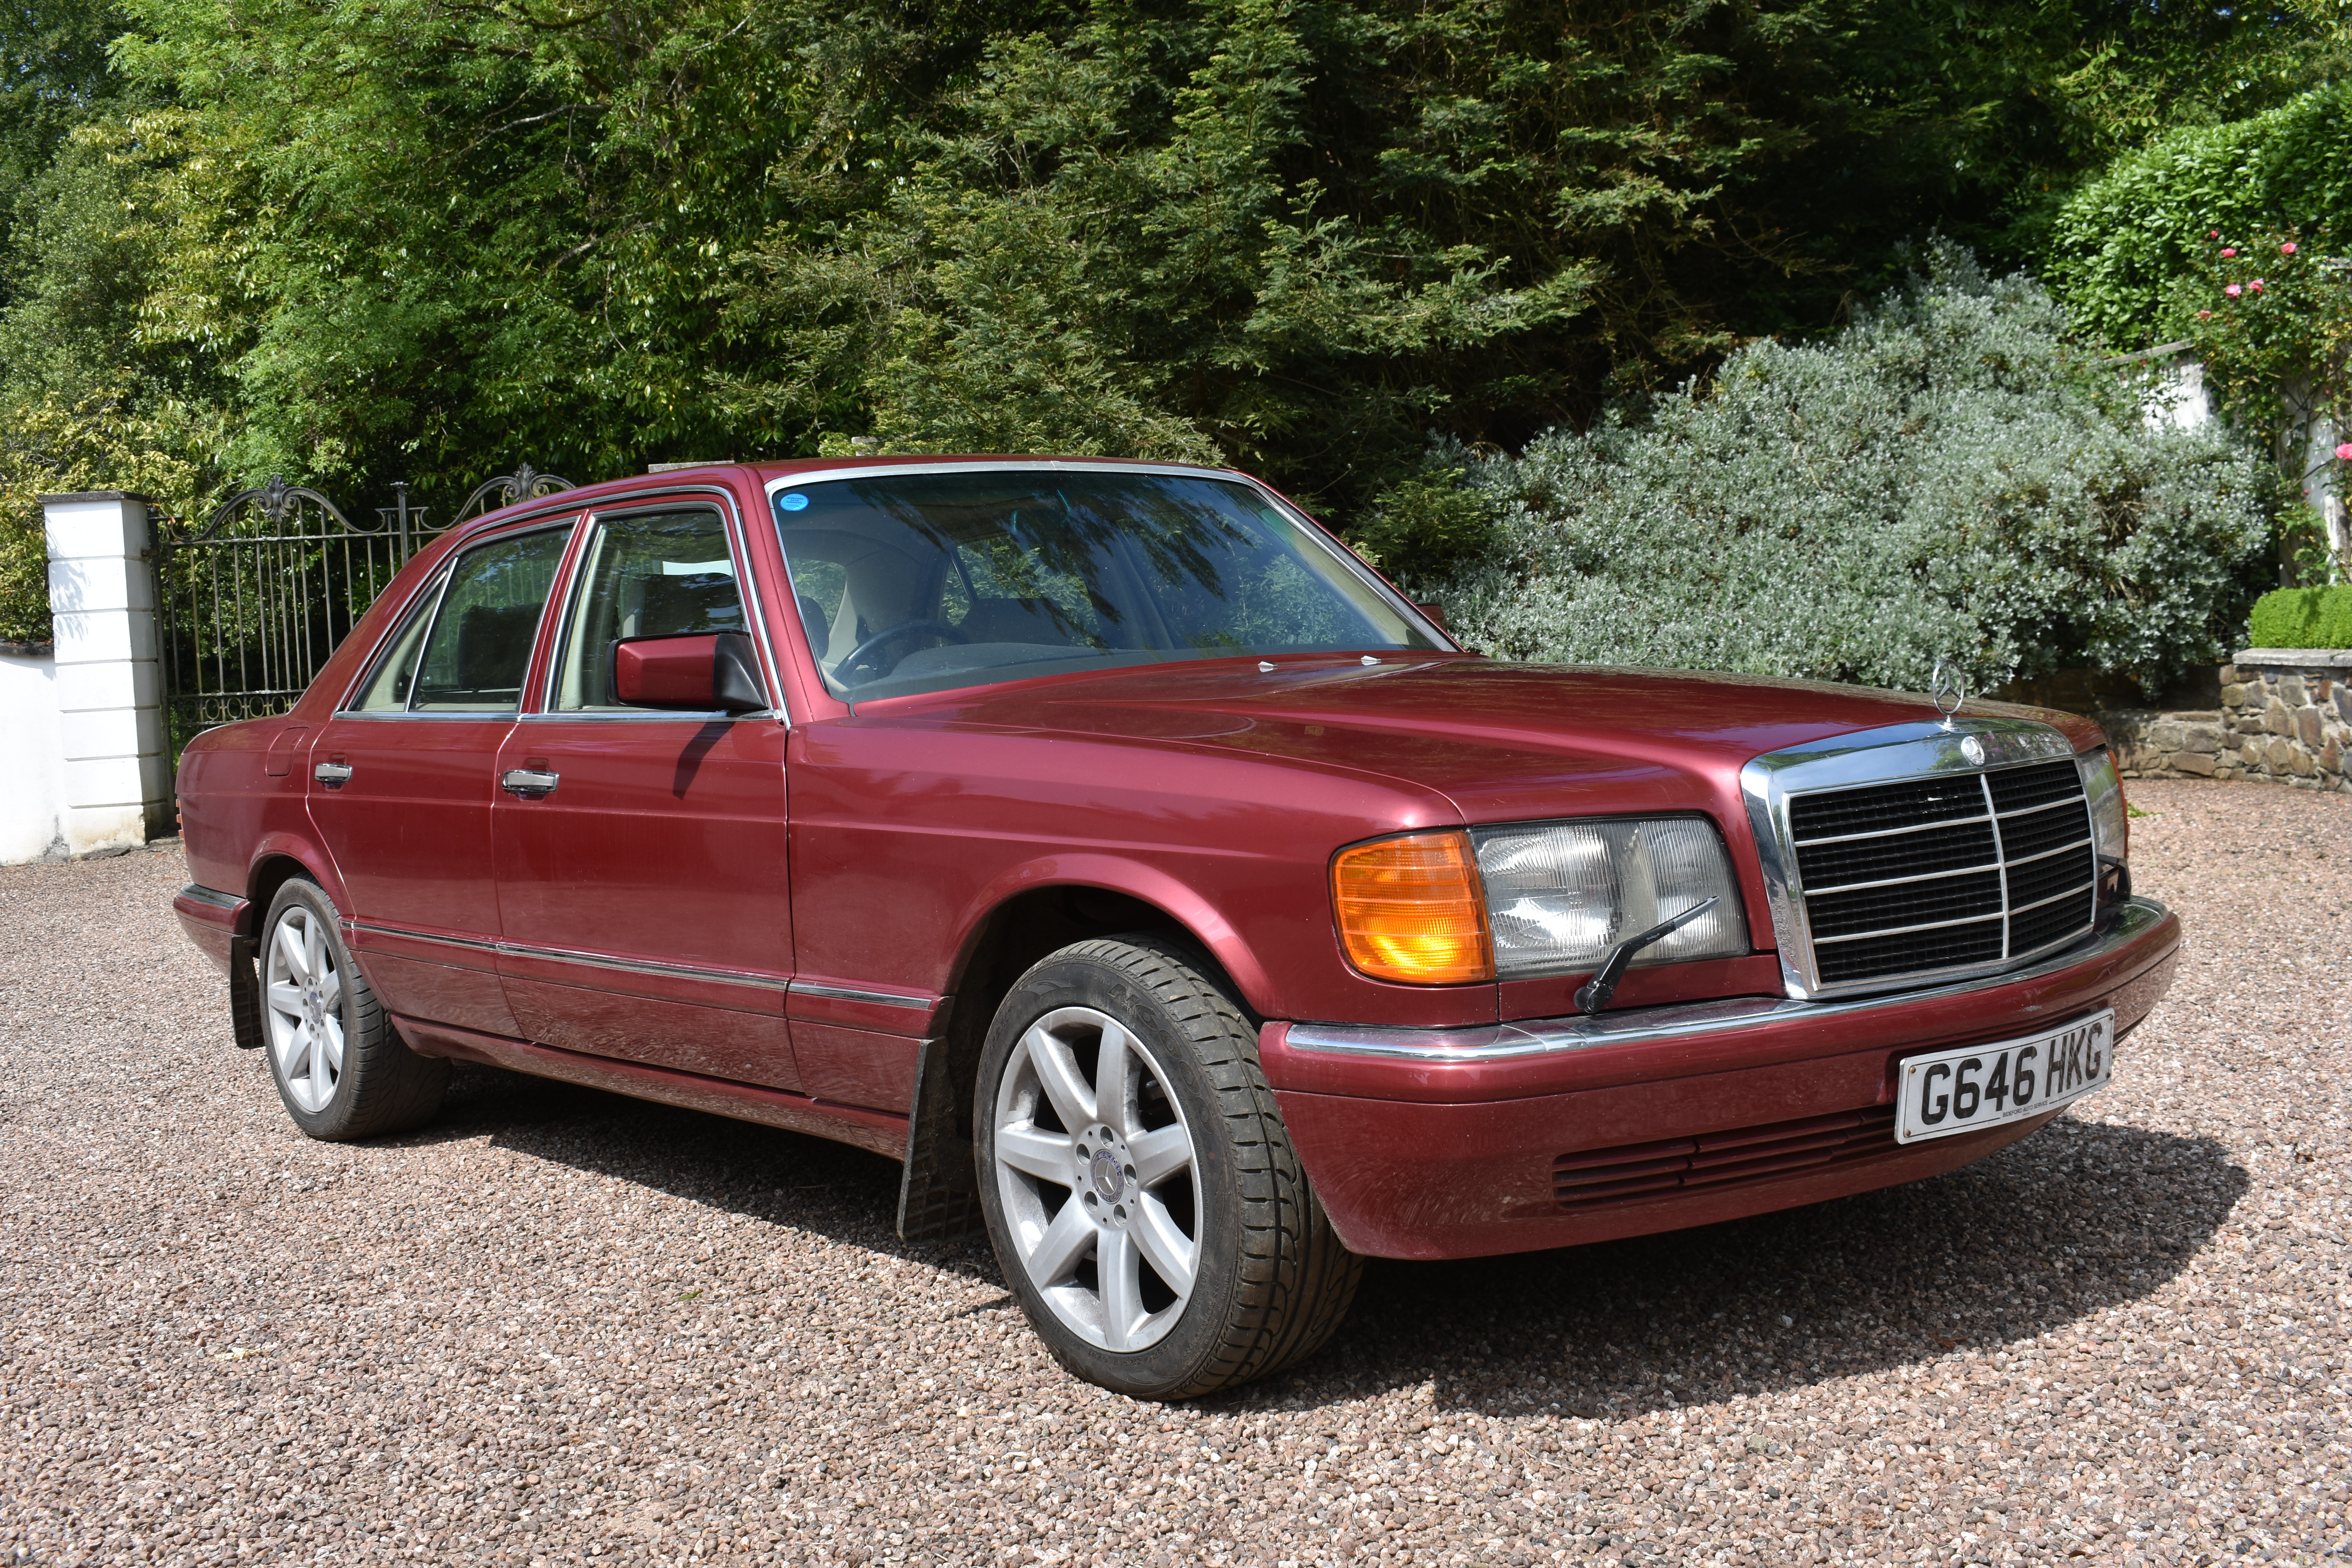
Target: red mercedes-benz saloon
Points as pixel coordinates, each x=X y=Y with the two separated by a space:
x=1174 y=897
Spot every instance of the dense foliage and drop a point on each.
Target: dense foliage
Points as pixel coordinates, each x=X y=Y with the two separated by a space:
x=1947 y=478
x=360 y=240
x=2129 y=249
x=2303 y=618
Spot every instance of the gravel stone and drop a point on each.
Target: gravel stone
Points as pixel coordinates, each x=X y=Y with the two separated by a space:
x=562 y=1327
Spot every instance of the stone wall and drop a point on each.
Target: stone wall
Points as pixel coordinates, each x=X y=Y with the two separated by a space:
x=2285 y=716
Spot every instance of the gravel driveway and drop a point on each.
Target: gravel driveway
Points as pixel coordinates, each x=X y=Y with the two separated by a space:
x=562 y=1326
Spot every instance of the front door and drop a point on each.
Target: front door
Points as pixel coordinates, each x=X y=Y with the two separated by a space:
x=402 y=782
x=640 y=854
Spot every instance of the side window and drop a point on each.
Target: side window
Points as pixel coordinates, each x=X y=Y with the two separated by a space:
x=647 y=574
x=387 y=689
x=475 y=654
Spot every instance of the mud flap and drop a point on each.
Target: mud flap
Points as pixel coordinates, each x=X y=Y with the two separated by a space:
x=939 y=1197
x=245 y=992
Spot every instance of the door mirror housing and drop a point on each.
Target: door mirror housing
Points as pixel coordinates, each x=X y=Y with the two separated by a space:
x=697 y=672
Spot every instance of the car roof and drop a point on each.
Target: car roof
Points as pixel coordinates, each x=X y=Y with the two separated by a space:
x=662 y=475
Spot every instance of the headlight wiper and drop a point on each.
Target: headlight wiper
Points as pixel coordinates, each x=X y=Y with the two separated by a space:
x=1595 y=993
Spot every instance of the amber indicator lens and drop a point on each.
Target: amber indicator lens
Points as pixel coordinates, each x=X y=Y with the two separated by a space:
x=1409 y=908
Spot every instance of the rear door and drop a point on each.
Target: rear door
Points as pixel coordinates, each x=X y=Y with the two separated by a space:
x=403 y=781
x=640 y=854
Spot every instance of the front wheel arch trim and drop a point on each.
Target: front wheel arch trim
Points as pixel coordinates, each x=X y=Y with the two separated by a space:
x=937 y=1195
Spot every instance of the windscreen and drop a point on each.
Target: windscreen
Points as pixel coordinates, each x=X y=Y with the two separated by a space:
x=914 y=583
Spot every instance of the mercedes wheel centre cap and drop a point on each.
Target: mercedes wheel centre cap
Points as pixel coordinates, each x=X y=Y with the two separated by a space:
x=1108 y=1179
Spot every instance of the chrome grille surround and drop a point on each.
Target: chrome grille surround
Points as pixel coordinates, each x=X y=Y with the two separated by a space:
x=1974 y=854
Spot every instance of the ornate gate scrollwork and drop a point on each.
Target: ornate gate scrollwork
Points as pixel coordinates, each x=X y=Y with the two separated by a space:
x=251 y=605
x=526 y=483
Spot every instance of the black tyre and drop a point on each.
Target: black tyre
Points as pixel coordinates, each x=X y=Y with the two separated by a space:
x=340 y=1068
x=1143 y=1199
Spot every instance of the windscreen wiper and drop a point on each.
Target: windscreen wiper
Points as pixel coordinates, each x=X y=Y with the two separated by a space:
x=1595 y=993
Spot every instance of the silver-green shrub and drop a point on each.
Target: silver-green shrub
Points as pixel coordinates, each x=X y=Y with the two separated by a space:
x=1950 y=477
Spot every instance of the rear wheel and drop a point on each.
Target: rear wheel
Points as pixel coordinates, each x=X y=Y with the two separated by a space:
x=1142 y=1197
x=342 y=1070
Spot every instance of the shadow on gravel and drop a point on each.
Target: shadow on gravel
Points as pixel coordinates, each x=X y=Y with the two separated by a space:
x=762 y=1173
x=2076 y=1218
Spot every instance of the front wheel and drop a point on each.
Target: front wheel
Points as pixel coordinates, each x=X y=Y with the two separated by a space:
x=1142 y=1197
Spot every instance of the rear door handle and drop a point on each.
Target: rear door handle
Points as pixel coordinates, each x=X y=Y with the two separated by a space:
x=332 y=772
x=529 y=781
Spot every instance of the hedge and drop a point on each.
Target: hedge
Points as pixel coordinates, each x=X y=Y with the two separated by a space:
x=2303 y=618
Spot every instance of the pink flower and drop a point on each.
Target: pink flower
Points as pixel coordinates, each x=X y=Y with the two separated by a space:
x=2228 y=251
x=2344 y=453
x=2213 y=234
x=2256 y=285
x=2234 y=290
x=2204 y=315
x=2287 y=249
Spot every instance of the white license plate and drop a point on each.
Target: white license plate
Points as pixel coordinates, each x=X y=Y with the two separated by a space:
x=1979 y=1087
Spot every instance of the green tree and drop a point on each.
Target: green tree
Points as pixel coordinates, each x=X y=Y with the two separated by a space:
x=356 y=240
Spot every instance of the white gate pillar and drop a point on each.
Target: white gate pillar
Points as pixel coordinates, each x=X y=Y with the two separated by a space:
x=117 y=786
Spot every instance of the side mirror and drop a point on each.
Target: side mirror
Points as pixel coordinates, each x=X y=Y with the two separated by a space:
x=699 y=672
x=1435 y=612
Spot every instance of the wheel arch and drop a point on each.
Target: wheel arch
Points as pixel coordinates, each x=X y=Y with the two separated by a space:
x=281 y=857
x=275 y=861
x=1032 y=911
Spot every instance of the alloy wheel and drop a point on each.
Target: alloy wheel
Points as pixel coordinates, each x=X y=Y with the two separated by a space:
x=304 y=993
x=1094 y=1166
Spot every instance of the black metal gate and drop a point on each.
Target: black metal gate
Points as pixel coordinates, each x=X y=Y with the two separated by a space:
x=250 y=606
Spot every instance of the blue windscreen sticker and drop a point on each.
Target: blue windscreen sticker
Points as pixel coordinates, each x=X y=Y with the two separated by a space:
x=795 y=502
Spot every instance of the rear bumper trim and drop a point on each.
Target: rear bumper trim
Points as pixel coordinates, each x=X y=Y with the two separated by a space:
x=2125 y=925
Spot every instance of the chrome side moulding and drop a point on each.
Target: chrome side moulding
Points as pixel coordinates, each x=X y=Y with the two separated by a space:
x=585 y=959
x=2127 y=922
x=777 y=983
x=845 y=993
x=1888 y=754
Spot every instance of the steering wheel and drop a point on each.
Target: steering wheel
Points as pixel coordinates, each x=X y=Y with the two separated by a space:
x=843 y=669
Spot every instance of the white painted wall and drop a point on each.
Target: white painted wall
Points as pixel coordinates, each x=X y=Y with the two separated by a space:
x=2178 y=397
x=32 y=760
x=109 y=685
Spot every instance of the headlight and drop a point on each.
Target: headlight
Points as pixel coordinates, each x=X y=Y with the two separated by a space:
x=1544 y=897
x=1559 y=895
x=2110 y=817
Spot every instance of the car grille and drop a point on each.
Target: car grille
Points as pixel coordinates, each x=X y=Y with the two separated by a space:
x=1601 y=1178
x=1903 y=880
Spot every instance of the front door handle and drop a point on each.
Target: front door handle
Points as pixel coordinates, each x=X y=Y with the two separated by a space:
x=332 y=772
x=528 y=782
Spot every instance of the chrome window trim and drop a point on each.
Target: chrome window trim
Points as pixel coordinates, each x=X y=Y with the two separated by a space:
x=739 y=545
x=428 y=603
x=537 y=522
x=2127 y=922
x=1889 y=753
x=1314 y=530
x=650 y=716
